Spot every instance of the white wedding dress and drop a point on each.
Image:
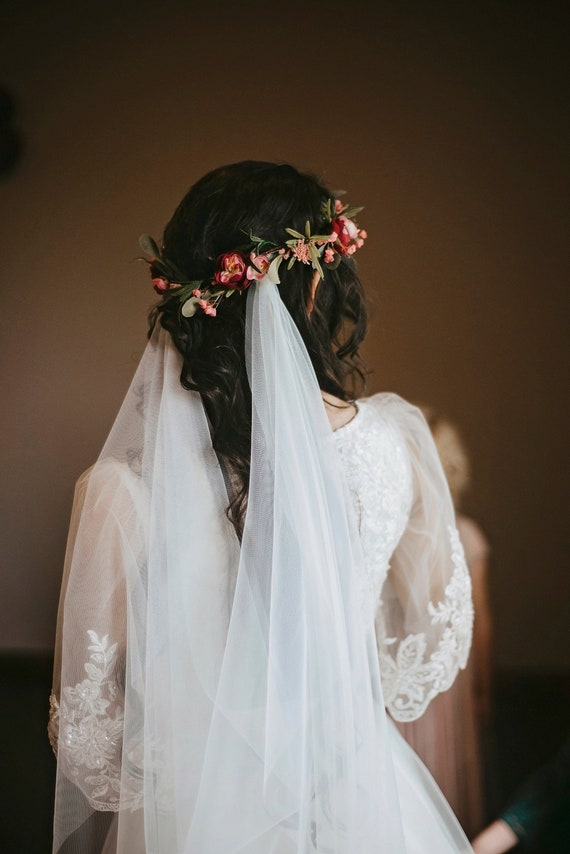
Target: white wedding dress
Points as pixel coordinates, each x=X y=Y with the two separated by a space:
x=212 y=698
x=376 y=464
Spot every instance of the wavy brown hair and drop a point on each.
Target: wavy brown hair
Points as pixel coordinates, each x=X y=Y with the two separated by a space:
x=262 y=198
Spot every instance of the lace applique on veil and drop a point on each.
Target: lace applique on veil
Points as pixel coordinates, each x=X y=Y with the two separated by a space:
x=87 y=727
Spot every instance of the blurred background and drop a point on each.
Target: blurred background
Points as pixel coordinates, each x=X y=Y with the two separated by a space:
x=447 y=121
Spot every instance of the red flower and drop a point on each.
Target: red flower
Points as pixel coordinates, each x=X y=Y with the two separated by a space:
x=346 y=232
x=230 y=271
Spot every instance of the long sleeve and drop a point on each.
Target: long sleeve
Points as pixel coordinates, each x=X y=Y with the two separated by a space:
x=86 y=705
x=425 y=618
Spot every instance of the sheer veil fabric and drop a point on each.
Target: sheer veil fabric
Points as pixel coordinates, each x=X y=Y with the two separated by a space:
x=211 y=697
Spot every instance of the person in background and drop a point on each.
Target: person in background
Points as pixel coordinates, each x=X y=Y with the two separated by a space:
x=448 y=736
x=538 y=815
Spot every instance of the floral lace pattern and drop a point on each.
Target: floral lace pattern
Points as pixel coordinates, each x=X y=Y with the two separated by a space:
x=377 y=472
x=90 y=724
x=376 y=464
x=408 y=679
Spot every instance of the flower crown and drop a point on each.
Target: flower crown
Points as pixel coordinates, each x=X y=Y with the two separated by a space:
x=237 y=269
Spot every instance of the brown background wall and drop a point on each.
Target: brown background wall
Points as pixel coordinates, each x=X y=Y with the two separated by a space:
x=444 y=119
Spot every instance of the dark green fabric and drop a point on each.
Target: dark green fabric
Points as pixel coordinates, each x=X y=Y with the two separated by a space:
x=539 y=812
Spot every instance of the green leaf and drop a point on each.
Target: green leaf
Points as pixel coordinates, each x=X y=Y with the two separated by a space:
x=352 y=211
x=292 y=260
x=148 y=245
x=273 y=271
x=314 y=253
x=332 y=265
x=294 y=233
x=251 y=236
x=190 y=307
x=307 y=229
x=261 y=248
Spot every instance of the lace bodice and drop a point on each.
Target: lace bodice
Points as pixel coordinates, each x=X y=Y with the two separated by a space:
x=378 y=473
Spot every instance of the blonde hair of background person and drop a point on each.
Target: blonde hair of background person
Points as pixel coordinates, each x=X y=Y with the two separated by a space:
x=448 y=737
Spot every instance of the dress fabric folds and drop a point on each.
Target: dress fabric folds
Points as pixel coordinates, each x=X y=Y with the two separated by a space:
x=213 y=697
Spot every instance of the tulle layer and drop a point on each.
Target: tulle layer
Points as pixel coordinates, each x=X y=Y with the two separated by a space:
x=217 y=698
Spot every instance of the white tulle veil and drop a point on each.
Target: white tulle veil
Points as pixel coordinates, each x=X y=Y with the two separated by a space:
x=214 y=697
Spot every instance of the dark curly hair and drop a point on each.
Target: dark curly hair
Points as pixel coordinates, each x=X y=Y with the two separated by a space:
x=211 y=219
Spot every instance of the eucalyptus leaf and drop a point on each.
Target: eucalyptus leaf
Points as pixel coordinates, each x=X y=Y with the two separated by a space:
x=351 y=211
x=148 y=245
x=273 y=271
x=190 y=307
x=314 y=252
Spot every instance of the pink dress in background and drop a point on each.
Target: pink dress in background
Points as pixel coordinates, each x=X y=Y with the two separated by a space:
x=447 y=736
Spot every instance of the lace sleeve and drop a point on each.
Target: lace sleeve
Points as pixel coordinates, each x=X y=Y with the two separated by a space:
x=425 y=618
x=86 y=705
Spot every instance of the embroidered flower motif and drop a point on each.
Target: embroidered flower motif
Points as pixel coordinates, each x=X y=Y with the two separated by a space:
x=90 y=724
x=410 y=681
x=93 y=740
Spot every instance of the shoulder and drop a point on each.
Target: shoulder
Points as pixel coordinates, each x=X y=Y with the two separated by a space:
x=391 y=406
x=110 y=483
x=373 y=445
x=396 y=413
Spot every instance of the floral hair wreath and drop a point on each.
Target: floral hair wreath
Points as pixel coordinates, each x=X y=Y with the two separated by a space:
x=237 y=269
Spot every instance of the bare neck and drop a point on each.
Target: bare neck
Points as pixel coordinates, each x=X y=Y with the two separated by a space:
x=339 y=412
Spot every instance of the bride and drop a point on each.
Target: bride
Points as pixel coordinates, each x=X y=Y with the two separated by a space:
x=250 y=585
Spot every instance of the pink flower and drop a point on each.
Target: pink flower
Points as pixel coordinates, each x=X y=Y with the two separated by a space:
x=329 y=255
x=160 y=284
x=338 y=206
x=230 y=271
x=363 y=234
x=262 y=263
x=207 y=307
x=196 y=293
x=301 y=252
